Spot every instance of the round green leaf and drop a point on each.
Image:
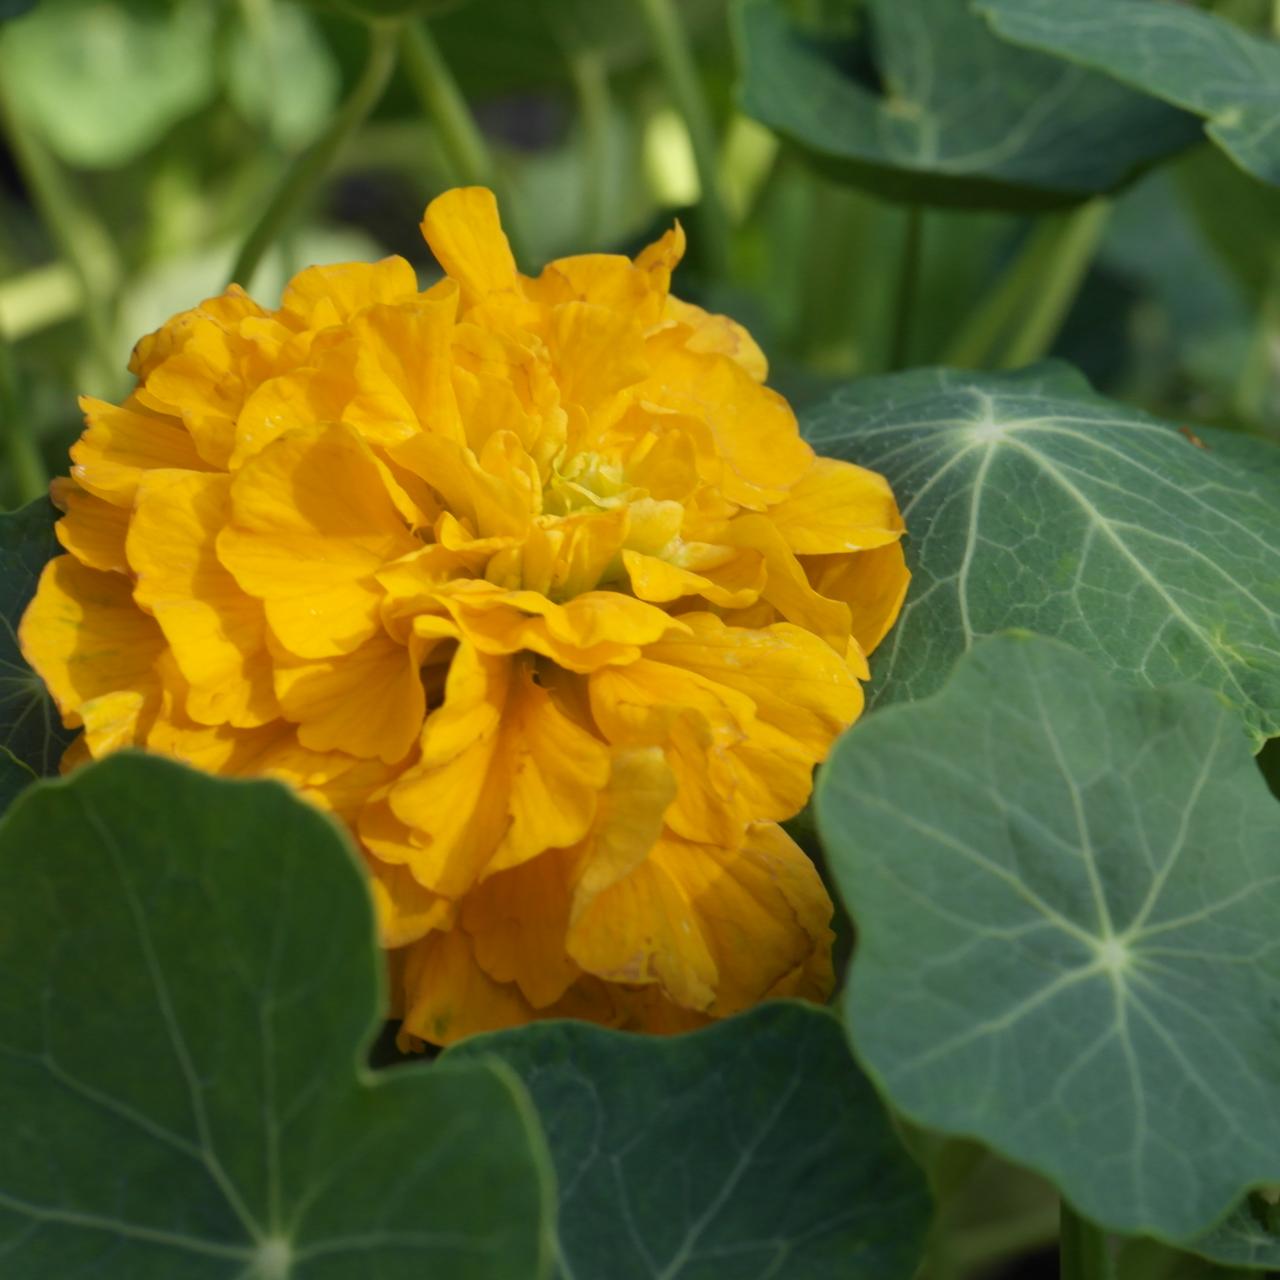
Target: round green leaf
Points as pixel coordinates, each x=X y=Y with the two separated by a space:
x=927 y=105
x=188 y=985
x=285 y=45
x=1032 y=502
x=1174 y=52
x=1066 y=893
x=105 y=79
x=29 y=724
x=752 y=1149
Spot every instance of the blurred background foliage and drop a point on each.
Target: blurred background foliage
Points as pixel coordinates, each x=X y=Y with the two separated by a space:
x=144 y=139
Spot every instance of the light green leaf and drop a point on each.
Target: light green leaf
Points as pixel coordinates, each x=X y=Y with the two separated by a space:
x=29 y=724
x=105 y=79
x=928 y=105
x=1066 y=893
x=186 y=993
x=279 y=45
x=14 y=777
x=752 y=1149
x=1174 y=52
x=1032 y=502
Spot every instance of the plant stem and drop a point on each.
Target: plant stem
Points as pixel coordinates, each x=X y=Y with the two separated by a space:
x=591 y=83
x=1254 y=385
x=672 y=46
x=308 y=169
x=30 y=479
x=908 y=279
x=1040 y=258
x=1083 y=1249
x=1072 y=253
x=979 y=1248
x=81 y=241
x=442 y=99
x=465 y=147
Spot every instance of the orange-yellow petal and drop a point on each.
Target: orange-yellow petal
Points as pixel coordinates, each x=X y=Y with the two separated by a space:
x=86 y=637
x=872 y=583
x=517 y=920
x=332 y=295
x=215 y=631
x=836 y=506
x=464 y=233
x=92 y=530
x=124 y=441
x=312 y=520
x=369 y=702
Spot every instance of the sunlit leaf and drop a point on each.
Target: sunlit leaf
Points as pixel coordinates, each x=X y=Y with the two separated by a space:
x=1066 y=892
x=752 y=1149
x=926 y=104
x=185 y=995
x=29 y=724
x=281 y=44
x=1032 y=502
x=105 y=79
x=1173 y=51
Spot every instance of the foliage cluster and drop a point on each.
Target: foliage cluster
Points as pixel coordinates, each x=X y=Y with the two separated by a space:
x=1059 y=857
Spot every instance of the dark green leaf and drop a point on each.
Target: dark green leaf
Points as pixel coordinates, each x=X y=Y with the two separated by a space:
x=105 y=79
x=186 y=991
x=1174 y=52
x=1066 y=893
x=29 y=723
x=929 y=105
x=1032 y=502
x=753 y=1149
x=500 y=46
x=14 y=777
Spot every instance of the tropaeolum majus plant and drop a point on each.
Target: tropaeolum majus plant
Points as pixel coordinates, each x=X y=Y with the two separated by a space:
x=449 y=667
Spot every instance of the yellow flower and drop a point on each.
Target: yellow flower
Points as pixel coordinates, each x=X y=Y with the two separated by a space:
x=532 y=582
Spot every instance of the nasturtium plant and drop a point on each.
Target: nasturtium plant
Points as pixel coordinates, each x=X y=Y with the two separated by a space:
x=29 y=723
x=916 y=98
x=1066 y=939
x=764 y=1152
x=1177 y=53
x=527 y=753
x=1036 y=503
x=189 y=985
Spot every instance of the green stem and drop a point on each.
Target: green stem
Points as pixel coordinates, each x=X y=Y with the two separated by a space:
x=81 y=241
x=310 y=167
x=465 y=147
x=1081 y=231
x=30 y=479
x=1084 y=1252
x=908 y=280
x=591 y=84
x=981 y=1248
x=1025 y=287
x=1254 y=385
x=672 y=46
